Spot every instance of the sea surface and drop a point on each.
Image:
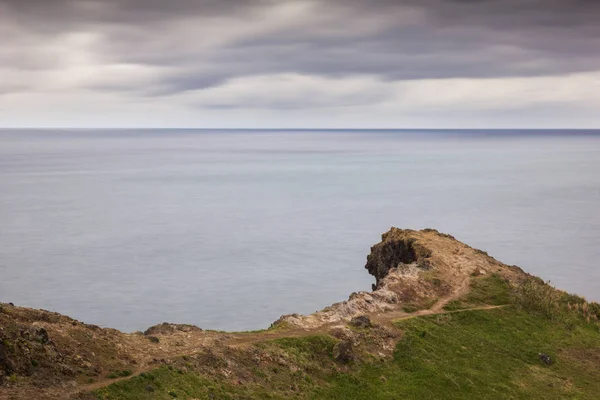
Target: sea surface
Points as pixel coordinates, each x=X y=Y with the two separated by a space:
x=231 y=229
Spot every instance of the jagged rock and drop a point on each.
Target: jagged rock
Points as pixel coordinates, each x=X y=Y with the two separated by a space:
x=341 y=332
x=166 y=329
x=6 y=367
x=399 y=264
x=342 y=352
x=410 y=267
x=398 y=247
x=361 y=321
x=153 y=339
x=39 y=334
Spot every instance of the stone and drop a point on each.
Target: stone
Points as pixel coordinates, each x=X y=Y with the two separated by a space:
x=342 y=352
x=545 y=359
x=153 y=339
x=39 y=334
x=167 y=328
x=361 y=321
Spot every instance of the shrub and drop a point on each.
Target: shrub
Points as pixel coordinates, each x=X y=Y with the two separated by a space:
x=539 y=296
x=119 y=374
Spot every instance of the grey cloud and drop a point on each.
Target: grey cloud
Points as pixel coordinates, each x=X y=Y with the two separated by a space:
x=455 y=39
x=46 y=14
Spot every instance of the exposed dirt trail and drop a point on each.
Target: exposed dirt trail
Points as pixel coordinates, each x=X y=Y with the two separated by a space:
x=412 y=269
x=247 y=339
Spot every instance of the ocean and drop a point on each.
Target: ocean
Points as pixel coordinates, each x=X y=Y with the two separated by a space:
x=231 y=229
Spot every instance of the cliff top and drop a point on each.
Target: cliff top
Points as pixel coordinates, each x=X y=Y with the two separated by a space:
x=418 y=273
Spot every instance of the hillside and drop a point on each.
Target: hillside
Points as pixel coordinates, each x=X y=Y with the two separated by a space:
x=444 y=320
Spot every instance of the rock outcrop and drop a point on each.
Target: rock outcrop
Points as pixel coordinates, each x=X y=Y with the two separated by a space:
x=167 y=328
x=413 y=270
x=397 y=249
x=48 y=355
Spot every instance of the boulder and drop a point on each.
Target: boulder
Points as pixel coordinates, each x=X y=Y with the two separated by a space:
x=361 y=321
x=342 y=352
x=166 y=329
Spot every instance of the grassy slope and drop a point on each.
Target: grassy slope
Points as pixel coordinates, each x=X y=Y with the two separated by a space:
x=492 y=290
x=481 y=354
x=490 y=354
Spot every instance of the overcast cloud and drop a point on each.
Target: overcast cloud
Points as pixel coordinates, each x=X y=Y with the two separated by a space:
x=334 y=63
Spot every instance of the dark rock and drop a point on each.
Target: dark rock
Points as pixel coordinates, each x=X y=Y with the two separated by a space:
x=396 y=248
x=342 y=352
x=149 y=389
x=6 y=366
x=545 y=359
x=39 y=334
x=361 y=321
x=11 y=304
x=153 y=339
x=340 y=333
x=166 y=329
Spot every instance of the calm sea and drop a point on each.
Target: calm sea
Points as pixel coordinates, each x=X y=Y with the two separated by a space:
x=231 y=229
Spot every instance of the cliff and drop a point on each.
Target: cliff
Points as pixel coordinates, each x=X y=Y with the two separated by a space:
x=419 y=275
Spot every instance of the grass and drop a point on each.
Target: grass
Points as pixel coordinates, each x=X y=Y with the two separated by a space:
x=275 y=327
x=119 y=374
x=307 y=346
x=471 y=354
x=488 y=290
x=273 y=381
x=424 y=305
x=162 y=383
x=490 y=354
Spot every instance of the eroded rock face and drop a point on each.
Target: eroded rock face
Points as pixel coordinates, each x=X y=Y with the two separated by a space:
x=397 y=248
x=48 y=348
x=416 y=270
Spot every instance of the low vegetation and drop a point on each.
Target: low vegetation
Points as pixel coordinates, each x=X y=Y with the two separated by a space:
x=119 y=374
x=463 y=354
x=490 y=290
x=445 y=322
x=492 y=354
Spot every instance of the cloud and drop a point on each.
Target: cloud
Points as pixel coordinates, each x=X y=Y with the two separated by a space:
x=293 y=91
x=300 y=54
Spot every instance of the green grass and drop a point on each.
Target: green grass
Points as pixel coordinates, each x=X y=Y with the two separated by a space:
x=485 y=354
x=307 y=346
x=469 y=354
x=490 y=290
x=424 y=305
x=119 y=374
x=489 y=354
x=275 y=327
x=163 y=382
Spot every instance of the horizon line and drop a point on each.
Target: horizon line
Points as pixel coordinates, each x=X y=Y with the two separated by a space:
x=296 y=129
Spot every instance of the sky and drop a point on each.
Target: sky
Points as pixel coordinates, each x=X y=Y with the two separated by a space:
x=300 y=64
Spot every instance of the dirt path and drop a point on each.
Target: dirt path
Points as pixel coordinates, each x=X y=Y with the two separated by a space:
x=247 y=339
x=382 y=319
